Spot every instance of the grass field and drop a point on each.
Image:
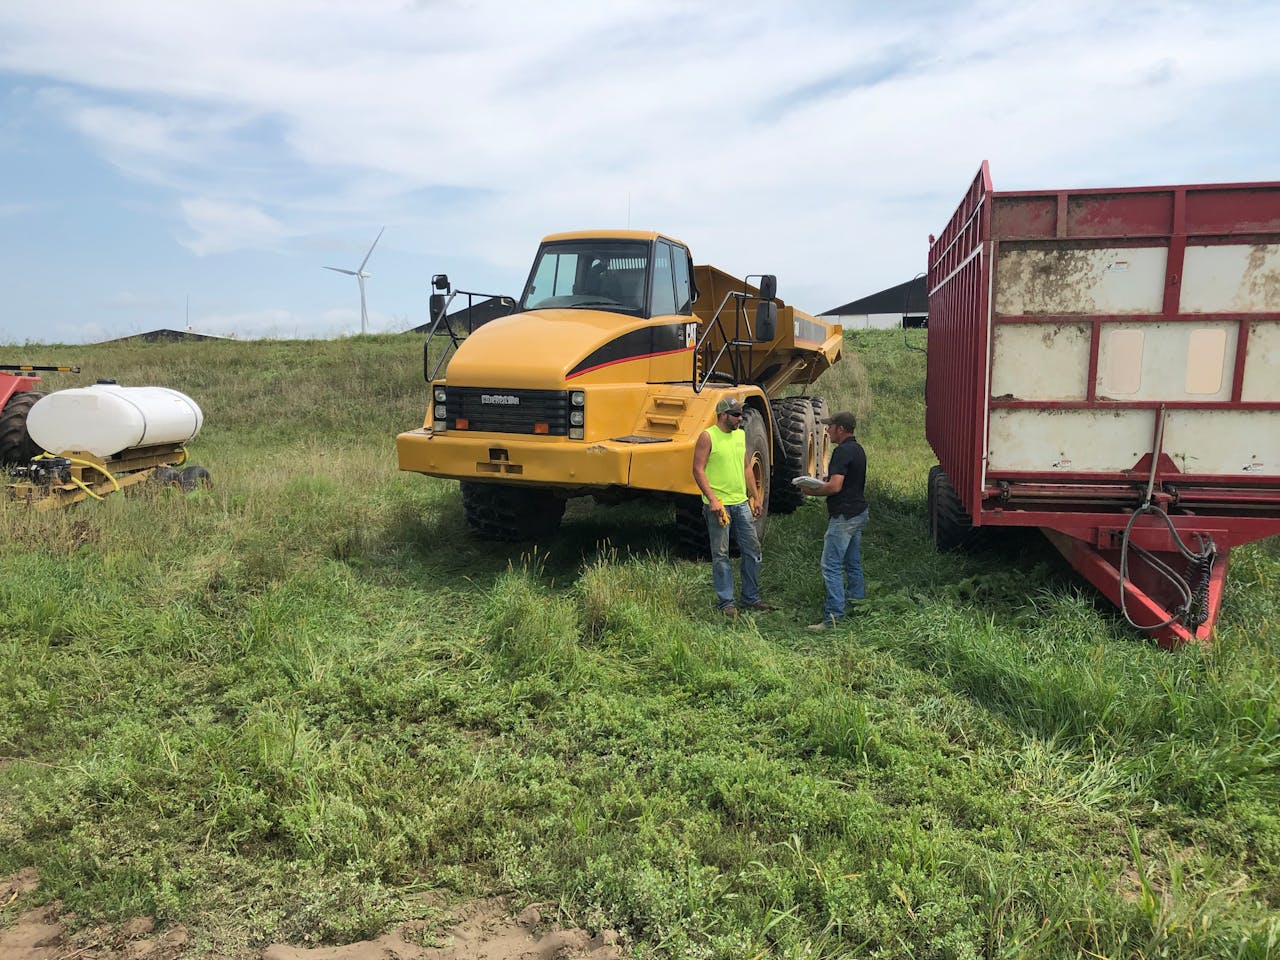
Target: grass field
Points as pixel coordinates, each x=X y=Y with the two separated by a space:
x=288 y=708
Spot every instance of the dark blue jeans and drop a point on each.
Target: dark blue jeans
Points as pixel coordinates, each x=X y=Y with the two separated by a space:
x=742 y=527
x=842 y=561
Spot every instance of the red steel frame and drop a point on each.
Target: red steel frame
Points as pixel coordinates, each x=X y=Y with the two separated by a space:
x=12 y=383
x=1085 y=514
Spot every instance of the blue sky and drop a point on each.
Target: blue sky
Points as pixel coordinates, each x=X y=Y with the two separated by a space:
x=156 y=154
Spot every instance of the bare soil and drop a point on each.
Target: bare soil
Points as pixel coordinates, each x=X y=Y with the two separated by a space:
x=485 y=930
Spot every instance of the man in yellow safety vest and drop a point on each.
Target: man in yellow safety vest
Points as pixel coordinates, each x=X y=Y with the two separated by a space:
x=723 y=474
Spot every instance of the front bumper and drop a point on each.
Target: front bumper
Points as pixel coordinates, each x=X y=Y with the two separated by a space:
x=550 y=461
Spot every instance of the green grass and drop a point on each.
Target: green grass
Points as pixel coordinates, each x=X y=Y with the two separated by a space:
x=285 y=708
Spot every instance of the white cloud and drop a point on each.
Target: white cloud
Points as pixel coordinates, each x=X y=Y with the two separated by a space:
x=820 y=141
x=221 y=226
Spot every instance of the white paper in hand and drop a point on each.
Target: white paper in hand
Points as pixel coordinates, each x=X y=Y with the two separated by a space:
x=807 y=483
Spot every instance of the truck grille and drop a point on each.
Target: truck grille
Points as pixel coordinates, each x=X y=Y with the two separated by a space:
x=502 y=410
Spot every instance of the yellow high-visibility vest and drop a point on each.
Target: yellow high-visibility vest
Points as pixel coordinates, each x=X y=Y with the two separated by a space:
x=725 y=466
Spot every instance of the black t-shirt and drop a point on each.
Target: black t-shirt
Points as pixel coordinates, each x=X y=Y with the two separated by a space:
x=850 y=459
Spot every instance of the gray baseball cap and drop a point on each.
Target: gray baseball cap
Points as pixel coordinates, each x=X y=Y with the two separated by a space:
x=844 y=420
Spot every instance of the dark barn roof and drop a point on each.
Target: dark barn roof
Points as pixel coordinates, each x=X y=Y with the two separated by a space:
x=911 y=297
x=164 y=336
x=467 y=319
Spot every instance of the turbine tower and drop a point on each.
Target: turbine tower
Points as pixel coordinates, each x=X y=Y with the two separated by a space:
x=361 y=276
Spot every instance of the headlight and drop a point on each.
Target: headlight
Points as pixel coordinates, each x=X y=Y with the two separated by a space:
x=576 y=417
x=575 y=433
x=438 y=393
x=577 y=398
x=437 y=412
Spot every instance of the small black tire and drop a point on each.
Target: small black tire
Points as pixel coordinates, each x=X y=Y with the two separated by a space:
x=193 y=478
x=510 y=514
x=795 y=423
x=950 y=527
x=166 y=477
x=16 y=446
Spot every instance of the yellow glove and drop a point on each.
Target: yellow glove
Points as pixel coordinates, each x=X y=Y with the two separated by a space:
x=723 y=516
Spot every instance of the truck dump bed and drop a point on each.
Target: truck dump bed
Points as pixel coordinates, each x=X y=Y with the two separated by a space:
x=1092 y=350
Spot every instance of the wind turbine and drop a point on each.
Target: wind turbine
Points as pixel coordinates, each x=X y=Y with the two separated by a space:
x=360 y=276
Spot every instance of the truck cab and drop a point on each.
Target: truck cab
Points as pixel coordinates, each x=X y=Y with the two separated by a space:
x=640 y=275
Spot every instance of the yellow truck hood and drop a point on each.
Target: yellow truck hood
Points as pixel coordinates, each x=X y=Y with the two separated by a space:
x=535 y=350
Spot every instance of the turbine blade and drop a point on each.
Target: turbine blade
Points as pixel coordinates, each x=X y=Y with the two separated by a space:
x=349 y=273
x=371 y=246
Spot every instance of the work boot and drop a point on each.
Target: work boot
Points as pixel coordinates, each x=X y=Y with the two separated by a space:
x=827 y=623
x=731 y=612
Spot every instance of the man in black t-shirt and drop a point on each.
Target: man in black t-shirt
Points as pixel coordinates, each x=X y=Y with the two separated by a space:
x=847 y=512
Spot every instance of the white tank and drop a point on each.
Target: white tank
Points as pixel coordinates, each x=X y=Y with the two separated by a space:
x=106 y=418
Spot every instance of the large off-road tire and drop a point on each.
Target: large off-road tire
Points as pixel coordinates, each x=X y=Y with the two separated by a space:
x=691 y=529
x=822 y=442
x=16 y=446
x=795 y=421
x=950 y=527
x=758 y=460
x=497 y=511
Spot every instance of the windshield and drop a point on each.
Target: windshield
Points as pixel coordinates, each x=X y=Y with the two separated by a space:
x=591 y=274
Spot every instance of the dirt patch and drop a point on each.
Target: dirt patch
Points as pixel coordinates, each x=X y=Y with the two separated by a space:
x=485 y=930
x=41 y=934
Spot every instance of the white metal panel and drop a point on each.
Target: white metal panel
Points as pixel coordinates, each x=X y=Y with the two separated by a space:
x=1039 y=361
x=1262 y=362
x=1070 y=441
x=1108 y=280
x=1230 y=442
x=1231 y=278
x=1167 y=361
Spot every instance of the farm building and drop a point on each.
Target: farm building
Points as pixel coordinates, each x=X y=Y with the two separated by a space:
x=906 y=305
x=164 y=336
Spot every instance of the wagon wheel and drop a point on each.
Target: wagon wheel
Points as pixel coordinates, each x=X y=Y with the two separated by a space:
x=194 y=477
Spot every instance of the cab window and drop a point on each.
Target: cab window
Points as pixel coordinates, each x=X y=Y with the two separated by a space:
x=684 y=286
x=664 y=284
x=589 y=274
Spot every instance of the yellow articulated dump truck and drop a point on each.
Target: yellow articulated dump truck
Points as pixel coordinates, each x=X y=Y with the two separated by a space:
x=602 y=376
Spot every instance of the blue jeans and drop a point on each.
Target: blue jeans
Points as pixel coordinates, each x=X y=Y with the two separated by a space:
x=842 y=560
x=742 y=526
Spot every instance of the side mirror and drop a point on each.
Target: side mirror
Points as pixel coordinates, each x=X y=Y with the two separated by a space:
x=768 y=286
x=441 y=282
x=438 y=303
x=766 y=320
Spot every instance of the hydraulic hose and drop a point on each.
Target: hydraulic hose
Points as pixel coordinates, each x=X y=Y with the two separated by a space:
x=1194 y=608
x=101 y=469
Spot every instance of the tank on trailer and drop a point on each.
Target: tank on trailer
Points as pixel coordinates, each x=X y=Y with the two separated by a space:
x=1104 y=364
x=98 y=440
